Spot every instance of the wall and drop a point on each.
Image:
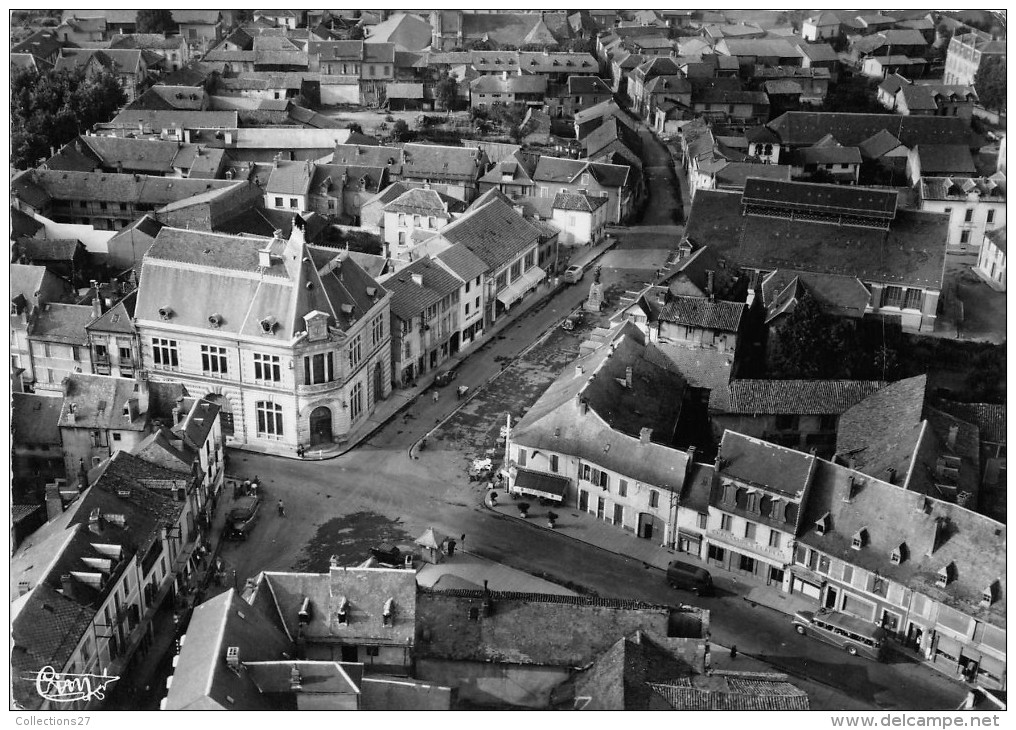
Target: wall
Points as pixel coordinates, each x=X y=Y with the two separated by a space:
x=94 y=241
x=956 y=210
x=340 y=94
x=489 y=684
x=576 y=226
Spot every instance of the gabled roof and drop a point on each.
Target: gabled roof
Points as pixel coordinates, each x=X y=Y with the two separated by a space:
x=97 y=402
x=290 y=178
x=407 y=32
x=945 y=159
x=35 y=419
x=776 y=468
x=119 y=318
x=54 y=250
x=733 y=691
x=492 y=84
x=463 y=262
x=410 y=299
x=878 y=145
x=440 y=161
x=806 y=128
x=843 y=296
x=62 y=323
x=425 y=201
x=582 y=203
x=495 y=233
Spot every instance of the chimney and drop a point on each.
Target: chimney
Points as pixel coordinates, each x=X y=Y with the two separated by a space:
x=178 y=411
x=710 y=279
x=96 y=305
x=583 y=405
x=141 y=388
x=82 y=476
x=627 y=377
x=265 y=256
x=233 y=658
x=891 y=475
x=67 y=585
x=644 y=435
x=579 y=372
x=54 y=502
x=953 y=431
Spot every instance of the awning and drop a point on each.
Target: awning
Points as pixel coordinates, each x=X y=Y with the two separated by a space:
x=517 y=289
x=538 y=484
x=949 y=646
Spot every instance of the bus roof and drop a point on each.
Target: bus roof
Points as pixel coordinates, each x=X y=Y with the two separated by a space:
x=851 y=623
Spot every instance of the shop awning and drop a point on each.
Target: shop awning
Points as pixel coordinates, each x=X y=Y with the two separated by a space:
x=517 y=289
x=538 y=484
x=949 y=646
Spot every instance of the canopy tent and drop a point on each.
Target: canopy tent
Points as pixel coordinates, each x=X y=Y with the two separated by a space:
x=544 y=486
x=517 y=289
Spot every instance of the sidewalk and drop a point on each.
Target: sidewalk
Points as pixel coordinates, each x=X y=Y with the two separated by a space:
x=402 y=398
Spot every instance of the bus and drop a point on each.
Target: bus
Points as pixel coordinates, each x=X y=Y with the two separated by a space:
x=856 y=636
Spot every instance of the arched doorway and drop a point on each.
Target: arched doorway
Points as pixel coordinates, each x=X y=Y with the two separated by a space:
x=320 y=426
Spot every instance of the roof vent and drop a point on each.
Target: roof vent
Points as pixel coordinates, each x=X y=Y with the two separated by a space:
x=215 y=320
x=346 y=308
x=166 y=312
x=268 y=325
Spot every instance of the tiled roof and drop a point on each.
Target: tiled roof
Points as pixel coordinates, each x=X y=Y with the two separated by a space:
x=945 y=159
x=990 y=418
x=439 y=161
x=878 y=144
x=797 y=397
x=119 y=187
x=422 y=201
x=703 y=312
x=168 y=119
x=530 y=84
x=587 y=85
x=290 y=178
x=736 y=174
x=35 y=419
x=49 y=249
x=462 y=261
x=495 y=233
x=912 y=251
x=744 y=695
x=843 y=296
x=63 y=323
x=97 y=402
x=583 y=203
x=777 y=468
x=410 y=299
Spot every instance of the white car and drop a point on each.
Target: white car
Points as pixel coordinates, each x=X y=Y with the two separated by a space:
x=573 y=274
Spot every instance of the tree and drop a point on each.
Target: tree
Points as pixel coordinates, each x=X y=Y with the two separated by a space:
x=447 y=90
x=52 y=109
x=356 y=33
x=354 y=127
x=990 y=82
x=800 y=345
x=150 y=20
x=400 y=131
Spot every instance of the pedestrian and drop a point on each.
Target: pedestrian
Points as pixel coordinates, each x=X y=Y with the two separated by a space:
x=282 y=509
x=436 y=396
x=462 y=541
x=733 y=652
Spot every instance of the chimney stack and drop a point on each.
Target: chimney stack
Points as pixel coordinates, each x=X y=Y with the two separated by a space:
x=67 y=585
x=54 y=502
x=265 y=256
x=583 y=405
x=644 y=435
x=95 y=522
x=295 y=681
x=953 y=432
x=627 y=377
x=710 y=280
x=579 y=372
x=178 y=411
x=418 y=279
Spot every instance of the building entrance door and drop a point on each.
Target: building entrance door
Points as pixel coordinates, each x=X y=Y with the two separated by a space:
x=601 y=505
x=320 y=426
x=583 y=500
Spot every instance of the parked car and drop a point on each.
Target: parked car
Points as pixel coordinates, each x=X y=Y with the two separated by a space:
x=573 y=274
x=446 y=377
x=242 y=518
x=689 y=577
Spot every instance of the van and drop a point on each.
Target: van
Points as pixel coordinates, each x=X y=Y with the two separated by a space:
x=573 y=274
x=241 y=518
x=689 y=577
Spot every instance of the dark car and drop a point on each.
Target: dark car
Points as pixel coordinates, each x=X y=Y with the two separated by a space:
x=241 y=518
x=689 y=577
x=446 y=377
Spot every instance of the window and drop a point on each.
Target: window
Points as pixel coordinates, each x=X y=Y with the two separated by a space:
x=522 y=457
x=892 y=296
x=402 y=220
x=416 y=221
x=553 y=463
x=164 y=353
x=266 y=367
x=516 y=270
x=467 y=309
x=213 y=360
x=654 y=498
x=968 y=216
x=716 y=553
x=318 y=368
x=294 y=203
x=278 y=202
x=356 y=401
x=116 y=436
x=964 y=236
x=377 y=330
x=991 y=216
x=529 y=260
x=912 y=299
x=786 y=423
x=355 y=352
x=269 y=419
x=823 y=565
x=749 y=530
x=703 y=520
x=468 y=284
x=622 y=489
x=747 y=564
x=726 y=523
x=848 y=573
x=774 y=539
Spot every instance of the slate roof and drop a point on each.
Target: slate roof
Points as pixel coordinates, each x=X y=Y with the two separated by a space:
x=997 y=237
x=843 y=296
x=851 y=129
x=432 y=161
x=63 y=323
x=578 y=85
x=703 y=312
x=797 y=397
x=118 y=187
x=529 y=628
x=936 y=534
x=495 y=233
x=462 y=261
x=198 y=274
x=410 y=299
x=831 y=154
x=912 y=251
x=491 y=84
x=582 y=203
x=49 y=249
x=945 y=159
x=35 y=419
x=878 y=144
x=23 y=225
x=776 y=468
x=736 y=174
x=98 y=403
x=202 y=680
x=609 y=434
x=125 y=61
x=159 y=119
x=422 y=201
x=818 y=52
x=290 y=178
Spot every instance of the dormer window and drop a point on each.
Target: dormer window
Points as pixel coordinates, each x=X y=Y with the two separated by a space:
x=822 y=524
x=165 y=312
x=860 y=539
x=342 y=613
x=899 y=554
x=945 y=575
x=215 y=320
x=268 y=325
x=988 y=597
